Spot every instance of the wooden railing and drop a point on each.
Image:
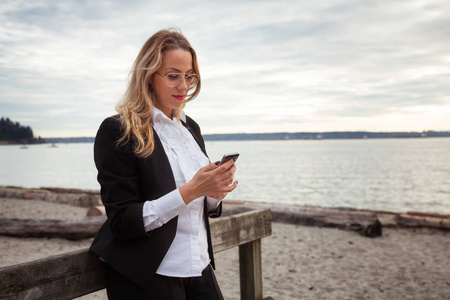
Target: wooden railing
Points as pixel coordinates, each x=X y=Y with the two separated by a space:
x=78 y=273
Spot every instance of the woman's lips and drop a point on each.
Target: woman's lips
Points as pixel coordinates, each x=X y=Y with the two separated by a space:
x=179 y=97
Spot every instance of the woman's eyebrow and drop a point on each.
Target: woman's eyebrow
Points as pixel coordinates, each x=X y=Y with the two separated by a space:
x=178 y=71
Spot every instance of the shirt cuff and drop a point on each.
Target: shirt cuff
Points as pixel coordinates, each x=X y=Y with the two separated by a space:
x=212 y=204
x=160 y=211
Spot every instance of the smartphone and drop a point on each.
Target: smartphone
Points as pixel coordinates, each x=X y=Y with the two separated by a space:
x=227 y=157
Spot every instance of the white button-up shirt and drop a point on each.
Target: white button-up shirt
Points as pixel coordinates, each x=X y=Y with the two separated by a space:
x=188 y=254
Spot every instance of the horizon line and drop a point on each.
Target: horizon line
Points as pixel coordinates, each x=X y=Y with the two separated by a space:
x=286 y=132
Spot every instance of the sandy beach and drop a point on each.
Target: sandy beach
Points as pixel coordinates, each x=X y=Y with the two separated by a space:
x=298 y=262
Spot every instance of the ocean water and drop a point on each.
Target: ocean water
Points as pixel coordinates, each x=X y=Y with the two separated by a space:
x=378 y=174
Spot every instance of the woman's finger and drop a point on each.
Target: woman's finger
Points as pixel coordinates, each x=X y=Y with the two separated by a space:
x=226 y=165
x=209 y=167
x=228 y=180
x=229 y=188
x=232 y=186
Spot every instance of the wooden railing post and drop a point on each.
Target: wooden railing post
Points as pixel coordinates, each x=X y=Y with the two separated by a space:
x=250 y=270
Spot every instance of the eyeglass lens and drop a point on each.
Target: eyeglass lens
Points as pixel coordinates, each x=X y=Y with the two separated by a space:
x=174 y=79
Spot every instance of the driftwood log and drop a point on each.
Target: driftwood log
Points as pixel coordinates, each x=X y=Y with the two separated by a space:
x=68 y=229
x=424 y=221
x=70 y=197
x=363 y=222
x=69 y=190
x=96 y=211
x=425 y=214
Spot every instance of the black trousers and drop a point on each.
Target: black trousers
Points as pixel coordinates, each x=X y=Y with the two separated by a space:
x=204 y=287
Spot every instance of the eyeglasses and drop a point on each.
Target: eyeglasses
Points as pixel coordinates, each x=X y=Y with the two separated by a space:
x=174 y=79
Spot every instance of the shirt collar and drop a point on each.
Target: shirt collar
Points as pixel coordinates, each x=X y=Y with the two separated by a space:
x=157 y=112
x=183 y=116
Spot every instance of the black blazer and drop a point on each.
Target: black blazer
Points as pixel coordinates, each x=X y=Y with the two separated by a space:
x=126 y=182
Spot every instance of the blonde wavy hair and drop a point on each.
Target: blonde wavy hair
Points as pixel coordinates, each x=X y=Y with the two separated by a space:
x=136 y=107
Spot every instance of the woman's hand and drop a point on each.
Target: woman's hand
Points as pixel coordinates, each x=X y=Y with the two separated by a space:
x=212 y=180
x=219 y=196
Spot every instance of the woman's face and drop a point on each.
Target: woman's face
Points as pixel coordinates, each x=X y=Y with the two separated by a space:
x=169 y=98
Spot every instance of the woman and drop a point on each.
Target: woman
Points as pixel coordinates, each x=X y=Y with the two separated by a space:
x=157 y=184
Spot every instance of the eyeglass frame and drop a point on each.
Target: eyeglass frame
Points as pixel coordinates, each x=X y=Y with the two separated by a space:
x=183 y=76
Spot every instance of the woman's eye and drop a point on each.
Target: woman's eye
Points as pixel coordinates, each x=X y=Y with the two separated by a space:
x=173 y=76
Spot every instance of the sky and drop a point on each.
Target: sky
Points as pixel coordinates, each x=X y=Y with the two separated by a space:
x=266 y=66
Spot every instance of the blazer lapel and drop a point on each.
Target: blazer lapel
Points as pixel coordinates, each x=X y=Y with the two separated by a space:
x=196 y=136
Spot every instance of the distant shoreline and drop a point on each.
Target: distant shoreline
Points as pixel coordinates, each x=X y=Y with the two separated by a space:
x=276 y=136
x=286 y=136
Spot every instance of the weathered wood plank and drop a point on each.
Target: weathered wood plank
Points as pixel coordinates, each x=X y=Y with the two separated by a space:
x=86 y=228
x=68 y=229
x=235 y=230
x=78 y=273
x=64 y=276
x=250 y=271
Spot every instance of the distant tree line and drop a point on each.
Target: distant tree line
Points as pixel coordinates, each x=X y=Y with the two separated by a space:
x=323 y=135
x=13 y=133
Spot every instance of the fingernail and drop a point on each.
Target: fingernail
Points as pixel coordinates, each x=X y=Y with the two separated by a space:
x=217 y=163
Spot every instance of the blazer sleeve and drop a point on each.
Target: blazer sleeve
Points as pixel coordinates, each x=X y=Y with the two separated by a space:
x=216 y=212
x=119 y=180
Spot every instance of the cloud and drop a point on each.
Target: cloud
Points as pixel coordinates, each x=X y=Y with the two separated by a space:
x=266 y=66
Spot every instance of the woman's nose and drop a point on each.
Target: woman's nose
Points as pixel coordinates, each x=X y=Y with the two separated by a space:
x=183 y=85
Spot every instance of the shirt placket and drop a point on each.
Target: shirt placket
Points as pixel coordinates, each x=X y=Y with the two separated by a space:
x=187 y=160
x=195 y=228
